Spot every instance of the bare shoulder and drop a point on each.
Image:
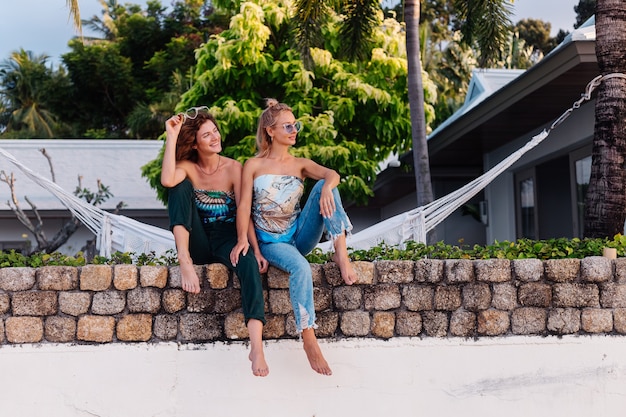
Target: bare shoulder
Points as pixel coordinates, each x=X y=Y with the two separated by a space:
x=231 y=163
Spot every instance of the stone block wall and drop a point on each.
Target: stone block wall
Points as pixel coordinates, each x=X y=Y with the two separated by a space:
x=425 y=298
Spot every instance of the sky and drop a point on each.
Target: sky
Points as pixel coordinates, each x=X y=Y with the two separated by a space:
x=43 y=26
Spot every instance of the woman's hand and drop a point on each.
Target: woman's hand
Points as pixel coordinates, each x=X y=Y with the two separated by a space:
x=327 y=202
x=240 y=248
x=262 y=262
x=173 y=125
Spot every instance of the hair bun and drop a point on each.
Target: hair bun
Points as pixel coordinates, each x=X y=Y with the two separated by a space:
x=270 y=102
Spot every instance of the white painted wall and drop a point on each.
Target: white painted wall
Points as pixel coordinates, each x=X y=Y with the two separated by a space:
x=503 y=377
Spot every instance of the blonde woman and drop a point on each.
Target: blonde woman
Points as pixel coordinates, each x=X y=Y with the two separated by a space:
x=272 y=185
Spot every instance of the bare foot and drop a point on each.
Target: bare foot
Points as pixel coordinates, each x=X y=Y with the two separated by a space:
x=314 y=353
x=345 y=266
x=189 y=278
x=259 y=366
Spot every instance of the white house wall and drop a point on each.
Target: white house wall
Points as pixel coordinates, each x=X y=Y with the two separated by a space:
x=574 y=132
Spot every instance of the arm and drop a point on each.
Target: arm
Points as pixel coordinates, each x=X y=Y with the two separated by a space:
x=170 y=173
x=331 y=179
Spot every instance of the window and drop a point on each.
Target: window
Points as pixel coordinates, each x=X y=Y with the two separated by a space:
x=526 y=207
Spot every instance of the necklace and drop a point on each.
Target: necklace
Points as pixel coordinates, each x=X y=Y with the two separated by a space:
x=219 y=161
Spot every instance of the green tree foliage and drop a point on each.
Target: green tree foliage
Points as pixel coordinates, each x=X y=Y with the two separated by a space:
x=354 y=113
x=584 y=10
x=29 y=92
x=536 y=34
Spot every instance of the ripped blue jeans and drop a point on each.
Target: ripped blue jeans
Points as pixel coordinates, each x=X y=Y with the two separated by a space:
x=289 y=256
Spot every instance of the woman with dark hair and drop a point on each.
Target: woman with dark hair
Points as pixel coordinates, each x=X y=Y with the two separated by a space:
x=203 y=193
x=271 y=188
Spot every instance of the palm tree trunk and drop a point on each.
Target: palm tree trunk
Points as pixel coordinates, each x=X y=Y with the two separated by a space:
x=605 y=206
x=421 y=162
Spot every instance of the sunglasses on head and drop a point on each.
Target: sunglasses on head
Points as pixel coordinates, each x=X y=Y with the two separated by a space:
x=193 y=112
x=292 y=127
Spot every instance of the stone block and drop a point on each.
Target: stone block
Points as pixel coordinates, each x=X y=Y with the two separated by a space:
x=575 y=295
x=429 y=270
x=57 y=278
x=174 y=300
x=408 y=323
x=462 y=323
x=535 y=294
x=348 y=297
x=327 y=323
x=493 y=322
x=562 y=270
x=24 y=329
x=395 y=272
x=166 y=326
x=135 y=328
x=382 y=297
x=196 y=327
x=277 y=278
x=620 y=270
x=143 y=300
x=34 y=303
x=458 y=271
x=96 y=277
x=322 y=298
x=435 y=323
x=529 y=320
x=527 y=270
x=235 y=326
x=203 y=302
x=613 y=295
x=153 y=276
x=564 y=320
x=97 y=329
x=217 y=276
x=227 y=300
x=493 y=270
x=596 y=320
x=504 y=296
x=418 y=297
x=60 y=329
x=108 y=302
x=274 y=326
x=74 y=303
x=476 y=296
x=447 y=298
x=619 y=320
x=383 y=324
x=279 y=302
x=355 y=323
x=596 y=269
x=125 y=277
x=17 y=278
x=5 y=302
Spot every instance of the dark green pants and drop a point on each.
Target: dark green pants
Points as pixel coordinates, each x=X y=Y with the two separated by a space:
x=212 y=242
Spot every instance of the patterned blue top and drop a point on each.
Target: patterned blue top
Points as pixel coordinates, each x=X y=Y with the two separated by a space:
x=215 y=205
x=276 y=206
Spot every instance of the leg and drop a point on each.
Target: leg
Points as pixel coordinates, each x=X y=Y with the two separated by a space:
x=287 y=258
x=256 y=356
x=191 y=242
x=310 y=228
x=223 y=239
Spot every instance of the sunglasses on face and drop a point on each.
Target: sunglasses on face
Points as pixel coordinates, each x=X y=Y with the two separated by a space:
x=193 y=112
x=292 y=127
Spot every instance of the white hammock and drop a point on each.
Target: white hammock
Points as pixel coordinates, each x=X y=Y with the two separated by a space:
x=415 y=224
x=115 y=233
x=123 y=234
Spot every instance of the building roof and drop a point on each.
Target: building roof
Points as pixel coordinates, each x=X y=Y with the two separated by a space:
x=117 y=163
